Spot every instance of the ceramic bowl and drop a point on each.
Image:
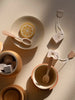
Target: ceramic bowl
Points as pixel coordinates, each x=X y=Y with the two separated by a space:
x=39 y=31
x=13 y=92
x=38 y=73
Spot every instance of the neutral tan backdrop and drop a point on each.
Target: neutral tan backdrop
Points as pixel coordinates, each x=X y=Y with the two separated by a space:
x=45 y=11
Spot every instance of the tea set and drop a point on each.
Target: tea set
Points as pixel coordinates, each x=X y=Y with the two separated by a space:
x=27 y=34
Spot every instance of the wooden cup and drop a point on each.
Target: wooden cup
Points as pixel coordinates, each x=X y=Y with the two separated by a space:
x=18 y=66
x=12 y=92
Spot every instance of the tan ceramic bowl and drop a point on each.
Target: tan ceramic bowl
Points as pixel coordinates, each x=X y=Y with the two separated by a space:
x=39 y=71
x=18 y=66
x=13 y=92
x=39 y=31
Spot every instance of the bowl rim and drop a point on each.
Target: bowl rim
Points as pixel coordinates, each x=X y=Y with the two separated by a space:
x=14 y=87
x=35 y=18
x=9 y=53
x=44 y=87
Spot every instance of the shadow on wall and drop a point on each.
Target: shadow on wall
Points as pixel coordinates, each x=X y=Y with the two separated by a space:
x=52 y=45
x=68 y=20
x=1 y=1
x=50 y=12
x=49 y=17
x=35 y=93
x=26 y=55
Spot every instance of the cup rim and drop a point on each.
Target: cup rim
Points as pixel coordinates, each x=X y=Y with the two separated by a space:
x=14 y=87
x=44 y=87
x=10 y=53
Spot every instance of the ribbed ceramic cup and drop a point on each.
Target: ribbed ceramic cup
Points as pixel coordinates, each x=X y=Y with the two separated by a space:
x=18 y=65
x=12 y=92
x=38 y=73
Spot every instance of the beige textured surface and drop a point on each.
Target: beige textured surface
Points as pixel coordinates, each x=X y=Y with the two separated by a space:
x=44 y=10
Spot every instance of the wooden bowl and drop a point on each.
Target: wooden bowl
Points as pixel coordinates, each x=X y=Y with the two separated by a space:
x=13 y=92
x=18 y=60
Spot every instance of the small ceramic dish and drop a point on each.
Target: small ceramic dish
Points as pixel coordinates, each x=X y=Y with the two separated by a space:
x=13 y=92
x=37 y=37
x=38 y=73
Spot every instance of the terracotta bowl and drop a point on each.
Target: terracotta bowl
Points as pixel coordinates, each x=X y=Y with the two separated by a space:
x=38 y=73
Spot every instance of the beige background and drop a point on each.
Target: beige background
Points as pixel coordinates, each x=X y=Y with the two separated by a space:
x=45 y=11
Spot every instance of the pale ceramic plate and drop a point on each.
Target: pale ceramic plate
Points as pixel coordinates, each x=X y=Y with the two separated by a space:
x=38 y=36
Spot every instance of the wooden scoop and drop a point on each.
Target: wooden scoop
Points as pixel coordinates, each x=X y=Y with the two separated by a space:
x=25 y=41
x=46 y=77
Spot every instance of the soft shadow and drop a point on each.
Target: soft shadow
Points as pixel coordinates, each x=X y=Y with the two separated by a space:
x=6 y=81
x=26 y=55
x=45 y=60
x=52 y=45
x=35 y=93
x=50 y=12
x=62 y=67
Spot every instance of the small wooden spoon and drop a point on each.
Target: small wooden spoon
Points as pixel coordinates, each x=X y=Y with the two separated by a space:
x=46 y=77
x=25 y=41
